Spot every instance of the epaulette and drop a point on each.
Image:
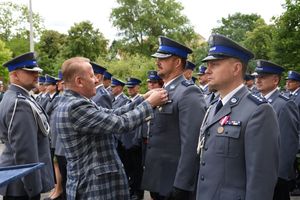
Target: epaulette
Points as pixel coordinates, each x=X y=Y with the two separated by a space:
x=20 y=96
x=257 y=99
x=187 y=83
x=284 y=97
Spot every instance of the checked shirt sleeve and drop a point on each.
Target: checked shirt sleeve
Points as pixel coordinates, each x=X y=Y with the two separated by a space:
x=86 y=117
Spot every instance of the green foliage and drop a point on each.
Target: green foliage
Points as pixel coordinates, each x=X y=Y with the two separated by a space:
x=5 y=55
x=14 y=20
x=84 y=40
x=200 y=53
x=131 y=66
x=237 y=25
x=141 y=22
x=286 y=41
x=260 y=40
x=19 y=44
x=49 y=51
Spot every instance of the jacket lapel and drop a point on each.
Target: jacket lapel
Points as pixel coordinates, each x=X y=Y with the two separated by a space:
x=226 y=109
x=272 y=98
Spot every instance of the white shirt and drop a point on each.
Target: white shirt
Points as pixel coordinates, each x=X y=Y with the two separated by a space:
x=230 y=94
x=267 y=96
x=295 y=91
x=168 y=83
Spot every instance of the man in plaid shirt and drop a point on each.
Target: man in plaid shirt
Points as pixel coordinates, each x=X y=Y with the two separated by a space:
x=94 y=168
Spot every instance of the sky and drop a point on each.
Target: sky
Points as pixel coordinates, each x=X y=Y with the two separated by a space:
x=204 y=15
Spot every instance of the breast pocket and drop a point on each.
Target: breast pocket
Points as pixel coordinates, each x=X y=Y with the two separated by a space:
x=228 y=142
x=164 y=115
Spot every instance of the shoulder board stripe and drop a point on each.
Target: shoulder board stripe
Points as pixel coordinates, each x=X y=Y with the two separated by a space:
x=257 y=99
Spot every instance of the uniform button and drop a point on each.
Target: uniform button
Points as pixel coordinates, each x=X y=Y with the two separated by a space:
x=150 y=135
x=208 y=134
x=205 y=148
x=202 y=163
x=149 y=147
x=202 y=178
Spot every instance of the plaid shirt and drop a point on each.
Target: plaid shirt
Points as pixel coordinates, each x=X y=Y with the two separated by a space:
x=94 y=168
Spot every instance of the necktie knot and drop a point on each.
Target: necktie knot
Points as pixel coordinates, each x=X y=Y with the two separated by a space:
x=219 y=106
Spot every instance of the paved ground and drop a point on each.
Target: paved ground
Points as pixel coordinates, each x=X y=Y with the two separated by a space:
x=147 y=196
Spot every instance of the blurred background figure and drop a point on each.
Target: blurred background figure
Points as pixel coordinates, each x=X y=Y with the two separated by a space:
x=203 y=79
x=189 y=69
x=1 y=90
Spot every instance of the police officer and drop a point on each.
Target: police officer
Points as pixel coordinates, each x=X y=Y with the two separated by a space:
x=209 y=96
x=1 y=90
x=120 y=98
x=40 y=98
x=249 y=81
x=154 y=81
x=50 y=84
x=238 y=143
x=293 y=86
x=202 y=78
x=102 y=97
x=107 y=81
x=132 y=144
x=171 y=161
x=189 y=68
x=59 y=163
x=24 y=130
x=268 y=79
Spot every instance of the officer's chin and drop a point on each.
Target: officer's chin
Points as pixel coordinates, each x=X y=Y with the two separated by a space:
x=211 y=88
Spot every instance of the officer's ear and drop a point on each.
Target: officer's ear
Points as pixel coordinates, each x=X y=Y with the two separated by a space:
x=179 y=62
x=237 y=67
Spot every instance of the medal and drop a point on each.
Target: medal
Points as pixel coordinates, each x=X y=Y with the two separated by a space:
x=220 y=129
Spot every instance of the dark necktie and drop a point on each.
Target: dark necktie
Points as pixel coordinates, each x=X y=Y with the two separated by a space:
x=219 y=106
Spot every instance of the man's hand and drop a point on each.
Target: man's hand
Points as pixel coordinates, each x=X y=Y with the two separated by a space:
x=157 y=97
x=145 y=96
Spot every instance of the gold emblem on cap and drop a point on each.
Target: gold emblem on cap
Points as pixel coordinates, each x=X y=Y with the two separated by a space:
x=220 y=129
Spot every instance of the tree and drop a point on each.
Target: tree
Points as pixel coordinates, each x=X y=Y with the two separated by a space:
x=5 y=55
x=49 y=50
x=237 y=25
x=286 y=41
x=84 y=40
x=141 y=22
x=260 y=40
x=14 y=20
x=130 y=65
x=18 y=44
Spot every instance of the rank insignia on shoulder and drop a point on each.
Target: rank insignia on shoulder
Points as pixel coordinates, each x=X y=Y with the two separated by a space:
x=187 y=83
x=20 y=96
x=284 y=97
x=257 y=99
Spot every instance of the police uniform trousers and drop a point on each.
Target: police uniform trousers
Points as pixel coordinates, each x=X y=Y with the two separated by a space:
x=37 y=197
x=62 y=165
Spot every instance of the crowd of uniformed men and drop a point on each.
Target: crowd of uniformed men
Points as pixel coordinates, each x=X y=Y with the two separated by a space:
x=232 y=136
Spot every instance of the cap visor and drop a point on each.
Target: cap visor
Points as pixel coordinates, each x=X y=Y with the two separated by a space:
x=161 y=55
x=214 y=57
x=35 y=69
